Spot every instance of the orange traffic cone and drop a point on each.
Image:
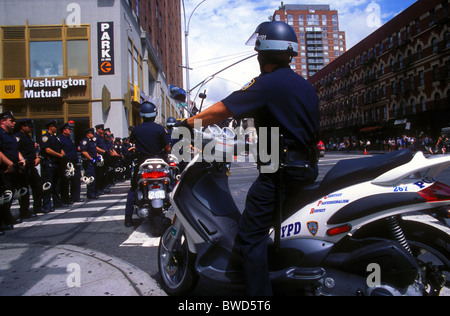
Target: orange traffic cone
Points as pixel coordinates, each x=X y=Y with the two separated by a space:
x=365 y=151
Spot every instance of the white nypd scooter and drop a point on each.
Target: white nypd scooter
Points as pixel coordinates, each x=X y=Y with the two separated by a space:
x=344 y=236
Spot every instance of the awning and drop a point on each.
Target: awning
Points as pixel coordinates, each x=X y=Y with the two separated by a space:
x=371 y=129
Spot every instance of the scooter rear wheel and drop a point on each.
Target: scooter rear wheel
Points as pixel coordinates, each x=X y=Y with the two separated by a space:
x=176 y=265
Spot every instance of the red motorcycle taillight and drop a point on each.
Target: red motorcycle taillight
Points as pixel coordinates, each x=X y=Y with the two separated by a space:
x=436 y=192
x=154 y=175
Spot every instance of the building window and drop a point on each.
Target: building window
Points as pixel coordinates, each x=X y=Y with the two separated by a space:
x=432 y=17
x=434 y=44
x=403 y=105
x=437 y=101
x=418 y=26
x=394 y=88
x=447 y=39
x=312 y=19
x=46 y=59
x=135 y=74
x=45 y=51
x=423 y=104
x=411 y=83
x=78 y=58
x=290 y=19
x=436 y=73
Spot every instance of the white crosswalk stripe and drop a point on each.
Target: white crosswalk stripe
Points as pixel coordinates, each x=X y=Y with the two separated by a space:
x=111 y=205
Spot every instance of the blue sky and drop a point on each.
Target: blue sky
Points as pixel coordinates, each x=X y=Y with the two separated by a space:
x=219 y=30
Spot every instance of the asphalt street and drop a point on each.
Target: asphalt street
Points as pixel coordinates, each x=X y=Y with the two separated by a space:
x=98 y=226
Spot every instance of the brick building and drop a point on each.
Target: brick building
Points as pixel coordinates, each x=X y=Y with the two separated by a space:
x=161 y=20
x=394 y=82
x=317 y=28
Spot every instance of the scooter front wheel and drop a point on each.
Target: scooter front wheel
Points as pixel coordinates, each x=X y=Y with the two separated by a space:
x=176 y=264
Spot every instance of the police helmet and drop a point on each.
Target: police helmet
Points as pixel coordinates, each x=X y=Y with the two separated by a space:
x=171 y=121
x=148 y=110
x=273 y=37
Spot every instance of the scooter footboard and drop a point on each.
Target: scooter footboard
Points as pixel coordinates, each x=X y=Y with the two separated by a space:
x=220 y=265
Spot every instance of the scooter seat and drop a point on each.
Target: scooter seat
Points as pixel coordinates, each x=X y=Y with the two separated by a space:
x=347 y=173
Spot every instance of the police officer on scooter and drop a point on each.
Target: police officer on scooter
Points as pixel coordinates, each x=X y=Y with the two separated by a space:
x=278 y=98
x=151 y=141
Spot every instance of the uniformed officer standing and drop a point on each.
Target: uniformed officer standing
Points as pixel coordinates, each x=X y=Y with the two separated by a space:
x=12 y=164
x=89 y=154
x=118 y=165
x=151 y=141
x=127 y=158
x=32 y=179
x=277 y=98
x=113 y=156
x=100 y=171
x=53 y=156
x=71 y=181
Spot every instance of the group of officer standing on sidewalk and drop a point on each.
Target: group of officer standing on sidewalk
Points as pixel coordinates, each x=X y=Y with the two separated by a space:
x=59 y=183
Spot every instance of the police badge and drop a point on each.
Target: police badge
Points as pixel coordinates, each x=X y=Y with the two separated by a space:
x=313 y=228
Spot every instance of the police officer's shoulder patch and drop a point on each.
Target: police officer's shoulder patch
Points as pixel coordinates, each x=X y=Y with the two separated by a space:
x=45 y=139
x=84 y=143
x=18 y=139
x=248 y=85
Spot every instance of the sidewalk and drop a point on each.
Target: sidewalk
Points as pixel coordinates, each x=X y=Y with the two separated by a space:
x=34 y=270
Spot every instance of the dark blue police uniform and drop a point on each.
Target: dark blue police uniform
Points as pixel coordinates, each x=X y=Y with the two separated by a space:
x=32 y=179
x=70 y=187
x=150 y=139
x=88 y=145
x=285 y=100
x=51 y=170
x=119 y=162
x=127 y=158
x=9 y=147
x=100 y=171
x=109 y=163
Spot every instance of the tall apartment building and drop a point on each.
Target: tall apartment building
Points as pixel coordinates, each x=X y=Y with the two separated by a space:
x=320 y=39
x=395 y=81
x=92 y=62
x=161 y=22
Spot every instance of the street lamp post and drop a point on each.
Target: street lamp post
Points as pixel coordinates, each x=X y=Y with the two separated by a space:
x=186 y=47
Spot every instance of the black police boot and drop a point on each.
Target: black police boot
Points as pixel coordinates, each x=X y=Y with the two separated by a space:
x=128 y=220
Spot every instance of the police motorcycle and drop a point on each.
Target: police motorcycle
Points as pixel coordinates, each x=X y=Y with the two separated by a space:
x=174 y=166
x=152 y=195
x=348 y=235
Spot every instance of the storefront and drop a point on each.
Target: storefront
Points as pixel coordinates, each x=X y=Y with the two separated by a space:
x=89 y=62
x=63 y=99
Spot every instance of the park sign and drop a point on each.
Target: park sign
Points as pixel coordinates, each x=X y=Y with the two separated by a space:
x=46 y=88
